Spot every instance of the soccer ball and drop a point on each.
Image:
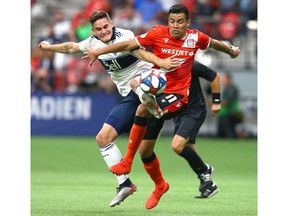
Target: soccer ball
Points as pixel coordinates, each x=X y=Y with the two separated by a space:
x=153 y=81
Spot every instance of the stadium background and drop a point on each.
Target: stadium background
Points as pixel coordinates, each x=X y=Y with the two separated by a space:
x=69 y=177
x=82 y=107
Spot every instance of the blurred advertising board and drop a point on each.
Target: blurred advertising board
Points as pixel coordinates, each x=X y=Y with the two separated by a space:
x=66 y=114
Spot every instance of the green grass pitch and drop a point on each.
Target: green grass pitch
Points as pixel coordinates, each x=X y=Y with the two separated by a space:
x=70 y=178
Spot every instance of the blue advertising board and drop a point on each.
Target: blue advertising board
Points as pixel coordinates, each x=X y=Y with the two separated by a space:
x=65 y=114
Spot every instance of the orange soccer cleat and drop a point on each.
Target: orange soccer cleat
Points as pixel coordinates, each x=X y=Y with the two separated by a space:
x=154 y=198
x=123 y=167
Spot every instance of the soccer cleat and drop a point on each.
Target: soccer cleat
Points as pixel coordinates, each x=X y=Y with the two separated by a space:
x=205 y=178
x=122 y=193
x=209 y=191
x=123 y=167
x=154 y=198
x=151 y=104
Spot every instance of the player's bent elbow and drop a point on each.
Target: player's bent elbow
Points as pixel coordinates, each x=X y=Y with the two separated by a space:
x=133 y=84
x=73 y=50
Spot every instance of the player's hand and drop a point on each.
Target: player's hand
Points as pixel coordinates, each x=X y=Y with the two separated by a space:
x=235 y=51
x=215 y=108
x=92 y=54
x=169 y=63
x=44 y=45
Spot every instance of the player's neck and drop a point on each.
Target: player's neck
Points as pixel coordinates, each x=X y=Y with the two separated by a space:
x=182 y=38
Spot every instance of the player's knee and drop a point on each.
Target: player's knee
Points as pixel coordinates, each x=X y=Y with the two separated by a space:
x=102 y=139
x=98 y=139
x=145 y=152
x=143 y=112
x=177 y=148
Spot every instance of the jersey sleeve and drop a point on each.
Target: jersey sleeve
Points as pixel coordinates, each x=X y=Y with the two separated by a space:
x=125 y=35
x=84 y=45
x=204 y=40
x=130 y=34
x=145 y=40
x=203 y=71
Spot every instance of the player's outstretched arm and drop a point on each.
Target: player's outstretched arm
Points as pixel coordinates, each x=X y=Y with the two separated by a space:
x=169 y=63
x=113 y=48
x=216 y=100
x=222 y=47
x=67 y=47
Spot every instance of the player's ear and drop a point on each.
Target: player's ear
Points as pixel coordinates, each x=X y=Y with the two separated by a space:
x=92 y=29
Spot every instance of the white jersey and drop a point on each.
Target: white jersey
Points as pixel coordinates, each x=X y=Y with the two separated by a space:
x=122 y=66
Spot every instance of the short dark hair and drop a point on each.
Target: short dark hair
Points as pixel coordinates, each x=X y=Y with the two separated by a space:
x=179 y=8
x=98 y=15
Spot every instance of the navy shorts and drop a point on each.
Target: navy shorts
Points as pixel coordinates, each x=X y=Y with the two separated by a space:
x=122 y=115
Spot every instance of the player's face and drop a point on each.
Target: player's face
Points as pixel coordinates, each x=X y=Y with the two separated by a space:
x=177 y=25
x=102 y=28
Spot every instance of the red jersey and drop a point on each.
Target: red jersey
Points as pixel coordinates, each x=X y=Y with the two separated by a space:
x=164 y=46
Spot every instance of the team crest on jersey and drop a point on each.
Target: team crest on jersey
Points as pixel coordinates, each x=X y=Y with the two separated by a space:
x=166 y=40
x=191 y=41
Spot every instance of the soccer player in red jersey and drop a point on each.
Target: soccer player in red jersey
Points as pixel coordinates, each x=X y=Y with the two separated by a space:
x=187 y=124
x=174 y=39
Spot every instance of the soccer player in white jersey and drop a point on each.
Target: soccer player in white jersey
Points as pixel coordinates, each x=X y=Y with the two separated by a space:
x=123 y=67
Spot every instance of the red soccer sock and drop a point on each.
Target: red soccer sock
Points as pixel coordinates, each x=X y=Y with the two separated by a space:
x=136 y=135
x=153 y=169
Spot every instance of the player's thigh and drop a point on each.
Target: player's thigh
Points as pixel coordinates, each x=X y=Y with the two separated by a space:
x=189 y=128
x=122 y=115
x=142 y=111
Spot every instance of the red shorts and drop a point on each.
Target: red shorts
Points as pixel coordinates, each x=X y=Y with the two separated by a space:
x=171 y=104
